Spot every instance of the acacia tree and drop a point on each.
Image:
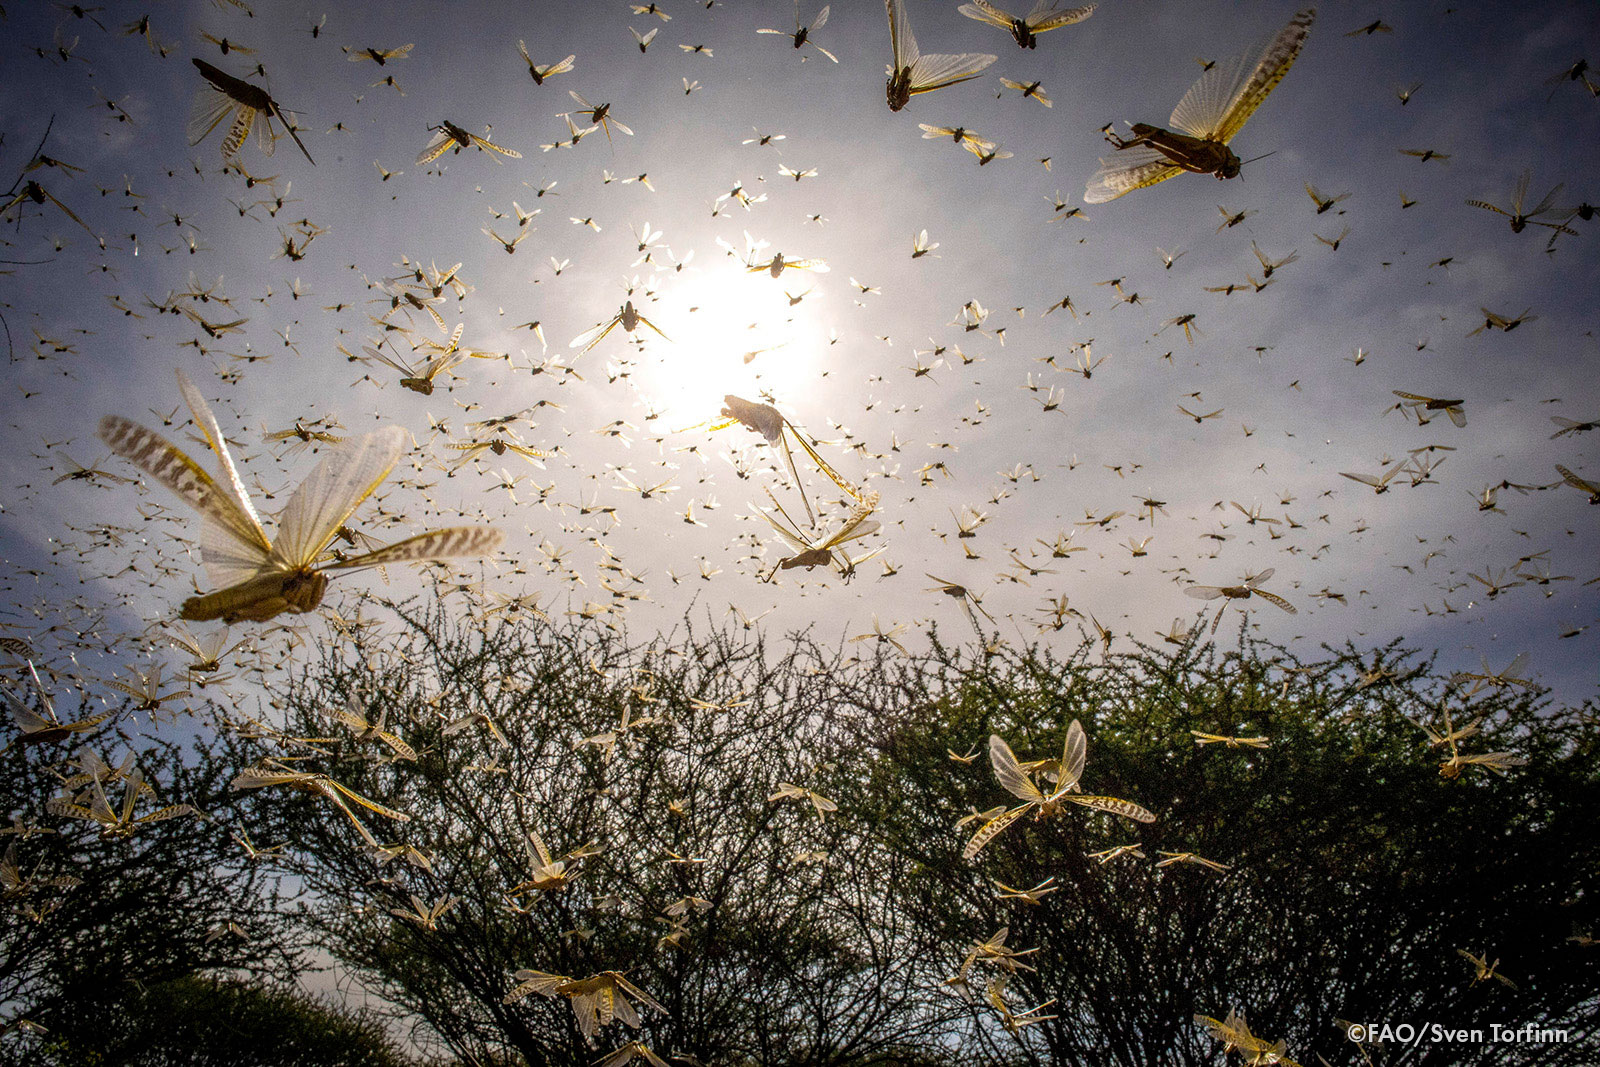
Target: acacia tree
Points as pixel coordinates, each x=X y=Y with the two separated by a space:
x=205 y=1019
x=768 y=932
x=1355 y=874
x=91 y=919
x=1355 y=870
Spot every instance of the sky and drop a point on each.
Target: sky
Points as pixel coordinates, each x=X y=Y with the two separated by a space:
x=870 y=358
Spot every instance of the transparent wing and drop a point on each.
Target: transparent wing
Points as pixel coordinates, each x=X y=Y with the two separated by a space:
x=935 y=72
x=985 y=12
x=855 y=528
x=901 y=38
x=1010 y=773
x=796 y=542
x=212 y=431
x=991 y=829
x=1126 y=808
x=450 y=543
x=210 y=107
x=821 y=19
x=27 y=720
x=1130 y=169
x=266 y=139
x=1549 y=199
x=1515 y=668
x=1074 y=753
x=344 y=478
x=1203 y=592
x=640 y=995
x=591 y=337
x=1226 y=95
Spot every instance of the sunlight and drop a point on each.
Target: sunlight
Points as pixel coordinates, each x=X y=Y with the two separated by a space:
x=731 y=334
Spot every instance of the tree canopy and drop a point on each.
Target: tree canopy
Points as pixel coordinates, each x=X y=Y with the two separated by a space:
x=762 y=838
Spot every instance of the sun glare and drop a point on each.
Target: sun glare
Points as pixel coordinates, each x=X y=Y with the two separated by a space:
x=729 y=335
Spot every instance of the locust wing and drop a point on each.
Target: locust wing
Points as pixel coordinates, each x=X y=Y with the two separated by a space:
x=1010 y=772
x=334 y=489
x=1218 y=104
x=436 y=147
x=449 y=543
x=1044 y=16
x=1126 y=808
x=1130 y=169
x=991 y=829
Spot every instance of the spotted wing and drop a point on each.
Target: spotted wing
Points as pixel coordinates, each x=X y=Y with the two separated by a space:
x=259 y=777
x=370 y=805
x=449 y=543
x=344 y=478
x=535 y=982
x=1126 y=808
x=484 y=142
x=1575 y=481
x=243 y=119
x=991 y=829
x=436 y=147
x=1276 y=601
x=233 y=546
x=1130 y=169
x=1218 y=104
x=171 y=811
x=1045 y=17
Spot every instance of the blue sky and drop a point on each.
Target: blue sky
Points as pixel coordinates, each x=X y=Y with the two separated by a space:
x=1297 y=410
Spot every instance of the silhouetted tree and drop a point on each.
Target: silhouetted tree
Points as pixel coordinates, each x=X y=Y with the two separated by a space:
x=1355 y=874
x=786 y=946
x=92 y=919
x=1356 y=870
x=203 y=1021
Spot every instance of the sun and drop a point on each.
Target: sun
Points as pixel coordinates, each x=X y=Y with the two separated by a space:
x=736 y=335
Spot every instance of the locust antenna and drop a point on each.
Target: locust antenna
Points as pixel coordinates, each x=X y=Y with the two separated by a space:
x=1247 y=162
